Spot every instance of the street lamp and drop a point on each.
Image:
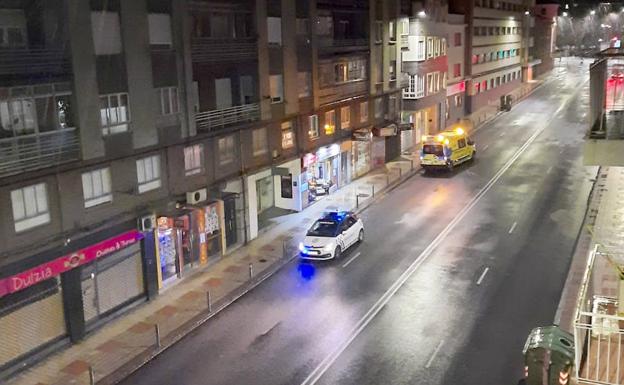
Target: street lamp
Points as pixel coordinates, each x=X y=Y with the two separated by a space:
x=422 y=14
x=592 y=12
x=564 y=14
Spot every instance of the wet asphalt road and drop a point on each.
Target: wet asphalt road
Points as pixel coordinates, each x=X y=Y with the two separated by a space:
x=508 y=222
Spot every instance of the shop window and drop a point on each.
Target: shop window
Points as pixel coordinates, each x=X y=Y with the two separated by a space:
x=277 y=88
x=259 y=141
x=304 y=79
x=275 y=30
x=313 y=129
x=364 y=112
x=96 y=187
x=345 y=117
x=330 y=122
x=168 y=100
x=458 y=38
x=288 y=136
x=160 y=29
x=148 y=173
x=193 y=159
x=106 y=33
x=226 y=150
x=379 y=110
x=114 y=113
x=30 y=207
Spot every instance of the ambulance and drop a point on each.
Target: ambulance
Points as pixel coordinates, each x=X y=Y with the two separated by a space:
x=446 y=149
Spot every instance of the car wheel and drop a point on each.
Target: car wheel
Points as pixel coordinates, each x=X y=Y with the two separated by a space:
x=337 y=252
x=361 y=236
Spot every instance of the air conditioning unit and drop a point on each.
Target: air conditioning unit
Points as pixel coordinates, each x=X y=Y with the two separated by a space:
x=194 y=197
x=147 y=222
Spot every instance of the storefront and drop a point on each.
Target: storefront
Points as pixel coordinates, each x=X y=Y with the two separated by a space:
x=38 y=304
x=361 y=152
x=321 y=172
x=187 y=241
x=392 y=144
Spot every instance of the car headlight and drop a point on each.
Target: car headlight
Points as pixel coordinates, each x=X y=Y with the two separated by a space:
x=301 y=246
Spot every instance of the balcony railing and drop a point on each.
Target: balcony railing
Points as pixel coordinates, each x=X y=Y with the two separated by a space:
x=215 y=119
x=216 y=50
x=24 y=61
x=342 y=43
x=32 y=152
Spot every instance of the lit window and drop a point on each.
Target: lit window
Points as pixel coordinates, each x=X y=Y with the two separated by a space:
x=345 y=117
x=96 y=187
x=288 y=136
x=193 y=159
x=114 y=113
x=313 y=129
x=330 y=122
x=226 y=150
x=364 y=112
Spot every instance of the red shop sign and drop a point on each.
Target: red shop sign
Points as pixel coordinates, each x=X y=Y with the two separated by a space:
x=60 y=265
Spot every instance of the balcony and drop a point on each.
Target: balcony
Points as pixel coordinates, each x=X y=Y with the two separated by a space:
x=221 y=50
x=31 y=152
x=216 y=119
x=31 y=61
x=341 y=91
x=330 y=44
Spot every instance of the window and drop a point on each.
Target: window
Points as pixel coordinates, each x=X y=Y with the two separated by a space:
x=458 y=39
x=345 y=117
x=430 y=83
x=404 y=26
x=379 y=108
x=324 y=26
x=193 y=159
x=475 y=59
x=288 y=136
x=364 y=112
x=476 y=32
x=436 y=81
x=226 y=150
x=106 y=33
x=491 y=31
x=304 y=80
x=444 y=80
x=378 y=31
x=168 y=100
x=461 y=143
x=330 y=122
x=259 y=141
x=96 y=187
x=275 y=30
x=443 y=47
x=30 y=207
x=416 y=87
x=420 y=48
x=456 y=70
x=277 y=88
x=313 y=130
x=148 y=173
x=436 y=47
x=114 y=113
x=391 y=31
x=13 y=37
x=429 y=47
x=160 y=29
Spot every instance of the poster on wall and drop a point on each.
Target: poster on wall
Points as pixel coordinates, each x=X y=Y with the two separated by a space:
x=212 y=219
x=287 y=187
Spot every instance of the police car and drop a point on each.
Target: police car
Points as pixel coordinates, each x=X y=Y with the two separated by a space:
x=331 y=235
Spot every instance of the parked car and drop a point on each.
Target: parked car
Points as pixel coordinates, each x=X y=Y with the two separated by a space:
x=331 y=235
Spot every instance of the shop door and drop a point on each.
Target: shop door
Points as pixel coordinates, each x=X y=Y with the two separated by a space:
x=345 y=175
x=111 y=282
x=264 y=189
x=229 y=206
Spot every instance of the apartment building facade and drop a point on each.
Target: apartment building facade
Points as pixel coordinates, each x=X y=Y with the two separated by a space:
x=496 y=49
x=141 y=140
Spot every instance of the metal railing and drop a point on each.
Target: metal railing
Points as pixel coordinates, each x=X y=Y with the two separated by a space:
x=210 y=120
x=32 y=152
x=598 y=337
x=16 y=61
x=340 y=42
x=213 y=50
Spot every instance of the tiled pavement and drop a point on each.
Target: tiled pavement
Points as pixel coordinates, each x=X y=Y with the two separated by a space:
x=127 y=342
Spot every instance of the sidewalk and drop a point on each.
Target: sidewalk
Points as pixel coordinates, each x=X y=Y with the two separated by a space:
x=125 y=344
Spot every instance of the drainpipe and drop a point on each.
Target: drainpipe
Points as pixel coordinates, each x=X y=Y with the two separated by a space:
x=242 y=164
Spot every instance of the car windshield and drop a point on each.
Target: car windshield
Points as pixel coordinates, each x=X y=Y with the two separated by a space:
x=434 y=149
x=324 y=228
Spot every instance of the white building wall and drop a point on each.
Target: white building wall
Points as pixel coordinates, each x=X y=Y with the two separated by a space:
x=293 y=203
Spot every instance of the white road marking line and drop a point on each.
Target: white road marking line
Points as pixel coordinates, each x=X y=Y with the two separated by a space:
x=326 y=363
x=482 y=276
x=351 y=259
x=549 y=170
x=485 y=147
x=513 y=227
x=435 y=353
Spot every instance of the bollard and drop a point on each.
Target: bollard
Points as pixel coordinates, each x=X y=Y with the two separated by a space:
x=250 y=270
x=157 y=331
x=284 y=249
x=373 y=188
x=387 y=179
x=357 y=201
x=411 y=164
x=91 y=376
x=209 y=300
x=400 y=172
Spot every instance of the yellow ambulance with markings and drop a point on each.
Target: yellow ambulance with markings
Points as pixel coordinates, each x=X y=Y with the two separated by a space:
x=447 y=149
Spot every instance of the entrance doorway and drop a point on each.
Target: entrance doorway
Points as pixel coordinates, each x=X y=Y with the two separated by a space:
x=229 y=208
